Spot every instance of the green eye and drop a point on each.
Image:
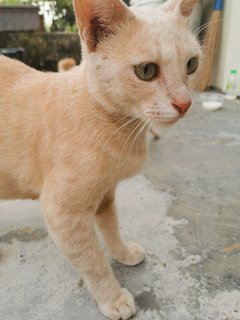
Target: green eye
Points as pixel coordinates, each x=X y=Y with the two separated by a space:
x=146 y=71
x=192 y=65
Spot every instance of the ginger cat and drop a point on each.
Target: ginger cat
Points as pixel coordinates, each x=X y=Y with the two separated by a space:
x=69 y=138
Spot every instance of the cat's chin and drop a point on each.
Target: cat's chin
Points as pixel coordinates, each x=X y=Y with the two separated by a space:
x=166 y=123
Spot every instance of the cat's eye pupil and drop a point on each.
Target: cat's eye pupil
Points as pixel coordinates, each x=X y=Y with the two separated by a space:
x=145 y=67
x=146 y=71
x=192 y=65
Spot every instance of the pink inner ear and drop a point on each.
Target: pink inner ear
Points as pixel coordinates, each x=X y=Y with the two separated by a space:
x=187 y=7
x=84 y=12
x=97 y=19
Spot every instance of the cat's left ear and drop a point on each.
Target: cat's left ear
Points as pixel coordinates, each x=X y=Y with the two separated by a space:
x=184 y=7
x=98 y=19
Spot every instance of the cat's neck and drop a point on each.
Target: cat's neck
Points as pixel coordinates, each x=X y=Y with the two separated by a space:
x=125 y=133
x=129 y=132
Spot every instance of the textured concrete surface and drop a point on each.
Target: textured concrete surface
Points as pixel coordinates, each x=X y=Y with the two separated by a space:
x=184 y=208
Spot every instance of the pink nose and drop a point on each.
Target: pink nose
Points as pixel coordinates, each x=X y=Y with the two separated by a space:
x=182 y=107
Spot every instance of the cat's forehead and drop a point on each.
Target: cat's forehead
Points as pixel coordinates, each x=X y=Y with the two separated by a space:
x=149 y=15
x=154 y=22
x=163 y=33
x=155 y=35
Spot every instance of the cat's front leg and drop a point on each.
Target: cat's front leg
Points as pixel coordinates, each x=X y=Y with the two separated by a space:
x=73 y=230
x=128 y=253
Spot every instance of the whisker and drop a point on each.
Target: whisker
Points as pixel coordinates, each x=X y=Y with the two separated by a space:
x=124 y=125
x=126 y=141
x=201 y=28
x=138 y=134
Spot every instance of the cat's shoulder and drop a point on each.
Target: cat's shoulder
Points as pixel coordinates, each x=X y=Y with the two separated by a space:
x=11 y=70
x=6 y=63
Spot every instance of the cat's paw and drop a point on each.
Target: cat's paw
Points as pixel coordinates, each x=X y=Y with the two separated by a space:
x=132 y=255
x=122 y=307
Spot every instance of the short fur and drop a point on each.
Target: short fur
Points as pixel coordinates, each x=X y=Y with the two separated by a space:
x=70 y=137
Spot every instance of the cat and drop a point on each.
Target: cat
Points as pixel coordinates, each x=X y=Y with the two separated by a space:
x=69 y=138
x=66 y=64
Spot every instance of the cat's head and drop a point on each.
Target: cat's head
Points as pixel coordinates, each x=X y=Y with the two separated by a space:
x=139 y=61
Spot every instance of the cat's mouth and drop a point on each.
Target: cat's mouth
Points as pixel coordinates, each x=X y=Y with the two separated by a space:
x=164 y=118
x=168 y=116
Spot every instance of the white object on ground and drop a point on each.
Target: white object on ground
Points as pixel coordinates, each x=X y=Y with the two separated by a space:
x=212 y=100
x=212 y=105
x=230 y=97
x=232 y=86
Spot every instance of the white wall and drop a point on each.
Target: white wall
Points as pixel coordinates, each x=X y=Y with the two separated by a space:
x=229 y=52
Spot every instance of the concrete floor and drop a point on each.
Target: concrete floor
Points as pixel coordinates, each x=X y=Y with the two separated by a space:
x=184 y=208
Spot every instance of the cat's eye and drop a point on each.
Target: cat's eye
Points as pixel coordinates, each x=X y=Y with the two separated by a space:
x=192 y=65
x=146 y=71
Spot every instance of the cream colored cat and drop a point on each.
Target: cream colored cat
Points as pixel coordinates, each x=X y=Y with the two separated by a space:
x=69 y=138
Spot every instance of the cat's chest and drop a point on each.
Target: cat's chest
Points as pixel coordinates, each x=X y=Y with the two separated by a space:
x=127 y=165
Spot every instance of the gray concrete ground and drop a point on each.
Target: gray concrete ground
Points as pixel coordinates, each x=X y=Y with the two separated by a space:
x=184 y=208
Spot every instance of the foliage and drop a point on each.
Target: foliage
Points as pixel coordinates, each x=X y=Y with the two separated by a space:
x=16 y=2
x=61 y=12
x=64 y=19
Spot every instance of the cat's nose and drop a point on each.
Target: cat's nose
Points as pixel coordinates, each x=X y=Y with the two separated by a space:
x=182 y=106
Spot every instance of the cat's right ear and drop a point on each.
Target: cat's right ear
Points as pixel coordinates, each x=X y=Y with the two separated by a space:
x=184 y=7
x=98 y=19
